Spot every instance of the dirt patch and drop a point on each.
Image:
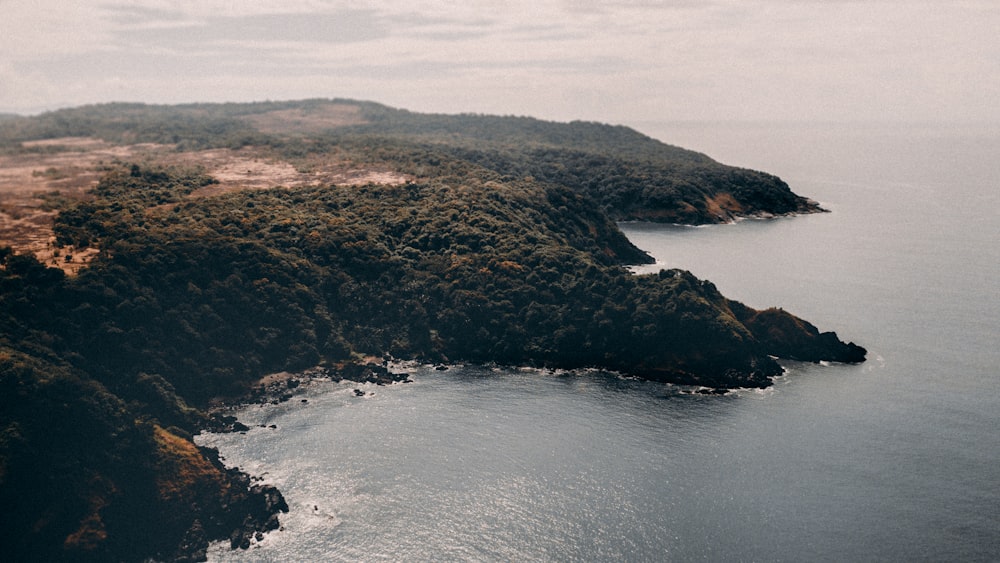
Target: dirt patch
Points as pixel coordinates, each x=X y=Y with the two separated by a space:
x=308 y=120
x=67 y=165
x=249 y=169
x=724 y=206
x=68 y=143
x=34 y=182
x=242 y=170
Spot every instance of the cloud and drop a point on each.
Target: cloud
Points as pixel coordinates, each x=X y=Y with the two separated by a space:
x=31 y=30
x=341 y=27
x=136 y=16
x=614 y=60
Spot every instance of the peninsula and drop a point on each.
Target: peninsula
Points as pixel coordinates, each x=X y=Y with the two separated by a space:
x=158 y=258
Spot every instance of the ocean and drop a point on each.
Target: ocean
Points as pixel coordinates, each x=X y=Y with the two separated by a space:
x=895 y=459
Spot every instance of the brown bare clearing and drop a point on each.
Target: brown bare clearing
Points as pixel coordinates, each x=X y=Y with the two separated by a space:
x=67 y=168
x=250 y=169
x=78 y=143
x=307 y=120
x=724 y=206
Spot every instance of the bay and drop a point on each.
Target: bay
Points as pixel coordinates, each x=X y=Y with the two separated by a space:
x=894 y=459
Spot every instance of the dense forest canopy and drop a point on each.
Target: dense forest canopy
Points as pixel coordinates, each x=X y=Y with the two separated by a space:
x=493 y=241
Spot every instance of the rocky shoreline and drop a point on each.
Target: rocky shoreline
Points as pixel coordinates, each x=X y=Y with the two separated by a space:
x=256 y=512
x=283 y=386
x=265 y=501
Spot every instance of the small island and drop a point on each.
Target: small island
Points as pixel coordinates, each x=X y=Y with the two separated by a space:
x=158 y=259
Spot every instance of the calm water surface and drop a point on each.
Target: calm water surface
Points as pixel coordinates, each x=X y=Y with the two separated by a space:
x=895 y=459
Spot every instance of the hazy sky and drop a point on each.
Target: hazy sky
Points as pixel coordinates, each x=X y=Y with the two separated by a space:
x=617 y=61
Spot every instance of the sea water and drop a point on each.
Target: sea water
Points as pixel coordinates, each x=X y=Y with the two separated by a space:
x=894 y=459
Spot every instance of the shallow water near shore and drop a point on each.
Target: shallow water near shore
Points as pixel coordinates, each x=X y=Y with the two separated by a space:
x=893 y=459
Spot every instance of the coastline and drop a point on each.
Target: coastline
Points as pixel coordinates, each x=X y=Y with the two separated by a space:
x=259 y=514
x=285 y=386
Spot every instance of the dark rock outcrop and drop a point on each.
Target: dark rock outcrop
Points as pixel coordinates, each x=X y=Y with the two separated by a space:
x=263 y=503
x=360 y=372
x=786 y=336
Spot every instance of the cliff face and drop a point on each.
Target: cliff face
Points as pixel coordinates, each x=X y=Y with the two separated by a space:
x=85 y=476
x=198 y=288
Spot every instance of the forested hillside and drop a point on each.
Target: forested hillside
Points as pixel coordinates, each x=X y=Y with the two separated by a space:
x=630 y=175
x=495 y=248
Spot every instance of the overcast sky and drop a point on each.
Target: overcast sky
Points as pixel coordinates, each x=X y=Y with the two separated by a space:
x=618 y=61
